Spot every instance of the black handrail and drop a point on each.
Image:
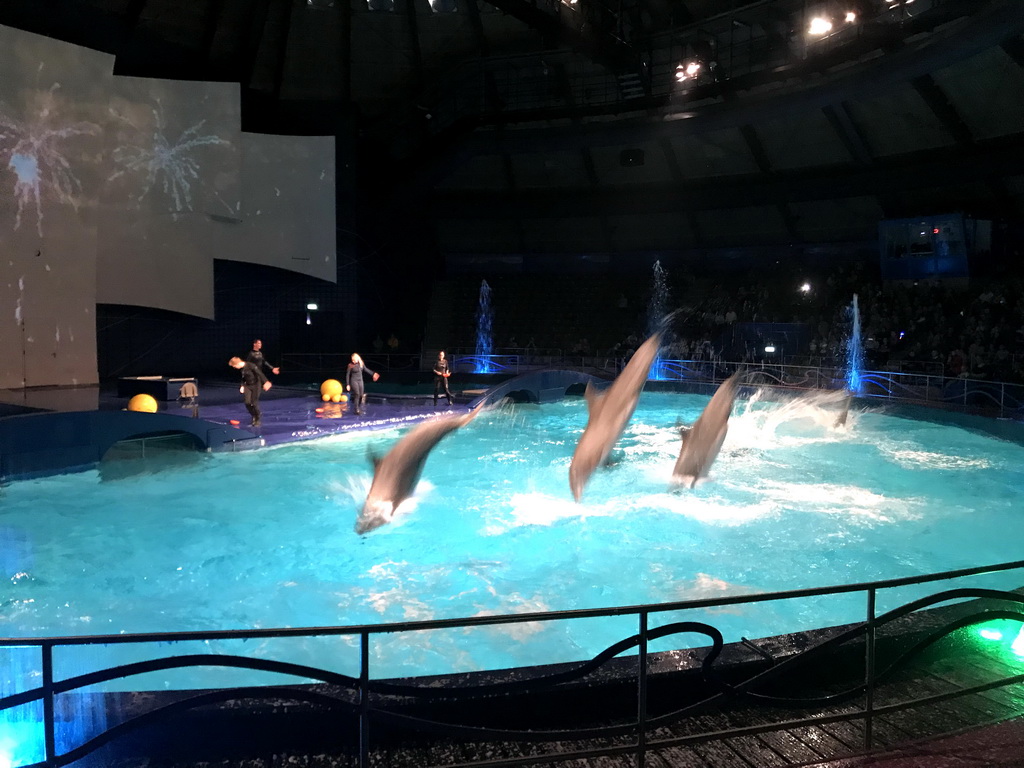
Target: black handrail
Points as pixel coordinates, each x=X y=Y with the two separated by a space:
x=364 y=687
x=516 y=618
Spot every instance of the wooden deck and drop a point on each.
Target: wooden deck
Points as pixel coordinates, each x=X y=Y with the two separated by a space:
x=301 y=737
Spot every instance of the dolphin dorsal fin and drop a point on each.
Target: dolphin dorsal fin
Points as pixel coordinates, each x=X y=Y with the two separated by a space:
x=373 y=457
x=593 y=398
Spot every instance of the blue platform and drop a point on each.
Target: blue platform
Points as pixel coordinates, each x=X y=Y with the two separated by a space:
x=37 y=441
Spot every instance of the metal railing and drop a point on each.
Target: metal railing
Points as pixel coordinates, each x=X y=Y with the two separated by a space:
x=335 y=363
x=364 y=699
x=922 y=388
x=930 y=388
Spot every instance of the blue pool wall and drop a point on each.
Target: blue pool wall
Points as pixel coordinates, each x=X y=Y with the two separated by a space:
x=49 y=443
x=41 y=444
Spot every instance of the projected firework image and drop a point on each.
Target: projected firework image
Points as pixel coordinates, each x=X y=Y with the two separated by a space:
x=123 y=190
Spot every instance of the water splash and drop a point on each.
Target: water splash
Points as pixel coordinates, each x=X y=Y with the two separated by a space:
x=854 y=352
x=657 y=308
x=767 y=424
x=484 y=320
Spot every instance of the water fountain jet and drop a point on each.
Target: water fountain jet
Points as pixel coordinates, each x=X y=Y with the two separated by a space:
x=484 y=321
x=657 y=309
x=854 y=352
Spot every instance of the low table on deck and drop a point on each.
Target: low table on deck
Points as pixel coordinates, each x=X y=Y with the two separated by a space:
x=159 y=387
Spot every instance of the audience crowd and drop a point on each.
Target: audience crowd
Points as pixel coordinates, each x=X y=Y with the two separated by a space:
x=958 y=330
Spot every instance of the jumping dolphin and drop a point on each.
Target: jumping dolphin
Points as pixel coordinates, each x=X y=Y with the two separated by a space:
x=396 y=474
x=609 y=412
x=702 y=441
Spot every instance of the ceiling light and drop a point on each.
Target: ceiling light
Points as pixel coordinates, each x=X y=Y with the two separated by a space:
x=819 y=26
x=688 y=70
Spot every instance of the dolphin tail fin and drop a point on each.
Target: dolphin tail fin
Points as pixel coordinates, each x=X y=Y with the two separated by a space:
x=664 y=323
x=843 y=413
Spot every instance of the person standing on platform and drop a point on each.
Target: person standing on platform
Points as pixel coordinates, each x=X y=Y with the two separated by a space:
x=255 y=357
x=253 y=381
x=441 y=374
x=354 y=381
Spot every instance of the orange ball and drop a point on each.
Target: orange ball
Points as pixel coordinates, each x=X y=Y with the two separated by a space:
x=331 y=387
x=343 y=399
x=336 y=398
x=325 y=397
x=143 y=403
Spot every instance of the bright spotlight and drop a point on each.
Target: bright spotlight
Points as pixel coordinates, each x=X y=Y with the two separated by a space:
x=850 y=17
x=312 y=306
x=769 y=349
x=805 y=288
x=687 y=71
x=820 y=26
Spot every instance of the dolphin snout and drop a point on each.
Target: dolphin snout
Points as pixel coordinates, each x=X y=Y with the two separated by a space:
x=577 y=480
x=374 y=515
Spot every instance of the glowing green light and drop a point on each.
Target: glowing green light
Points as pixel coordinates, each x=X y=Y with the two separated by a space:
x=1018 y=644
x=991 y=634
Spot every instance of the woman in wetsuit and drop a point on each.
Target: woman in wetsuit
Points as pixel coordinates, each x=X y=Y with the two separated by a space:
x=441 y=374
x=354 y=381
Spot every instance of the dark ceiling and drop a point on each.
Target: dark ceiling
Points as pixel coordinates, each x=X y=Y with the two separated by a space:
x=527 y=110
x=296 y=59
x=303 y=63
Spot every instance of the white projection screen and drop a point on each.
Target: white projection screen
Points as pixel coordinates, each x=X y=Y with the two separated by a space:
x=172 y=160
x=53 y=106
x=287 y=197
x=123 y=190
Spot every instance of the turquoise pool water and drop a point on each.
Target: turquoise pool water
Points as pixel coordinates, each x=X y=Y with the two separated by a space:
x=265 y=538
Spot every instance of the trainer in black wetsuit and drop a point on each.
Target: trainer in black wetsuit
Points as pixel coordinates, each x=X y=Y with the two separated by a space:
x=441 y=374
x=253 y=383
x=354 y=381
x=255 y=357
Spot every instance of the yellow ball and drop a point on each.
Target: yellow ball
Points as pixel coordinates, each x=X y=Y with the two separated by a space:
x=143 y=403
x=325 y=397
x=343 y=399
x=331 y=387
x=336 y=398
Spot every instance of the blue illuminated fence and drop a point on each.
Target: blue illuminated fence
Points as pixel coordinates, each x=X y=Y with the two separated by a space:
x=502 y=364
x=927 y=389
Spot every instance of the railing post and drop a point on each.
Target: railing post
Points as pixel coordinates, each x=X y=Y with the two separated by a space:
x=641 y=694
x=49 y=728
x=364 y=699
x=869 y=668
